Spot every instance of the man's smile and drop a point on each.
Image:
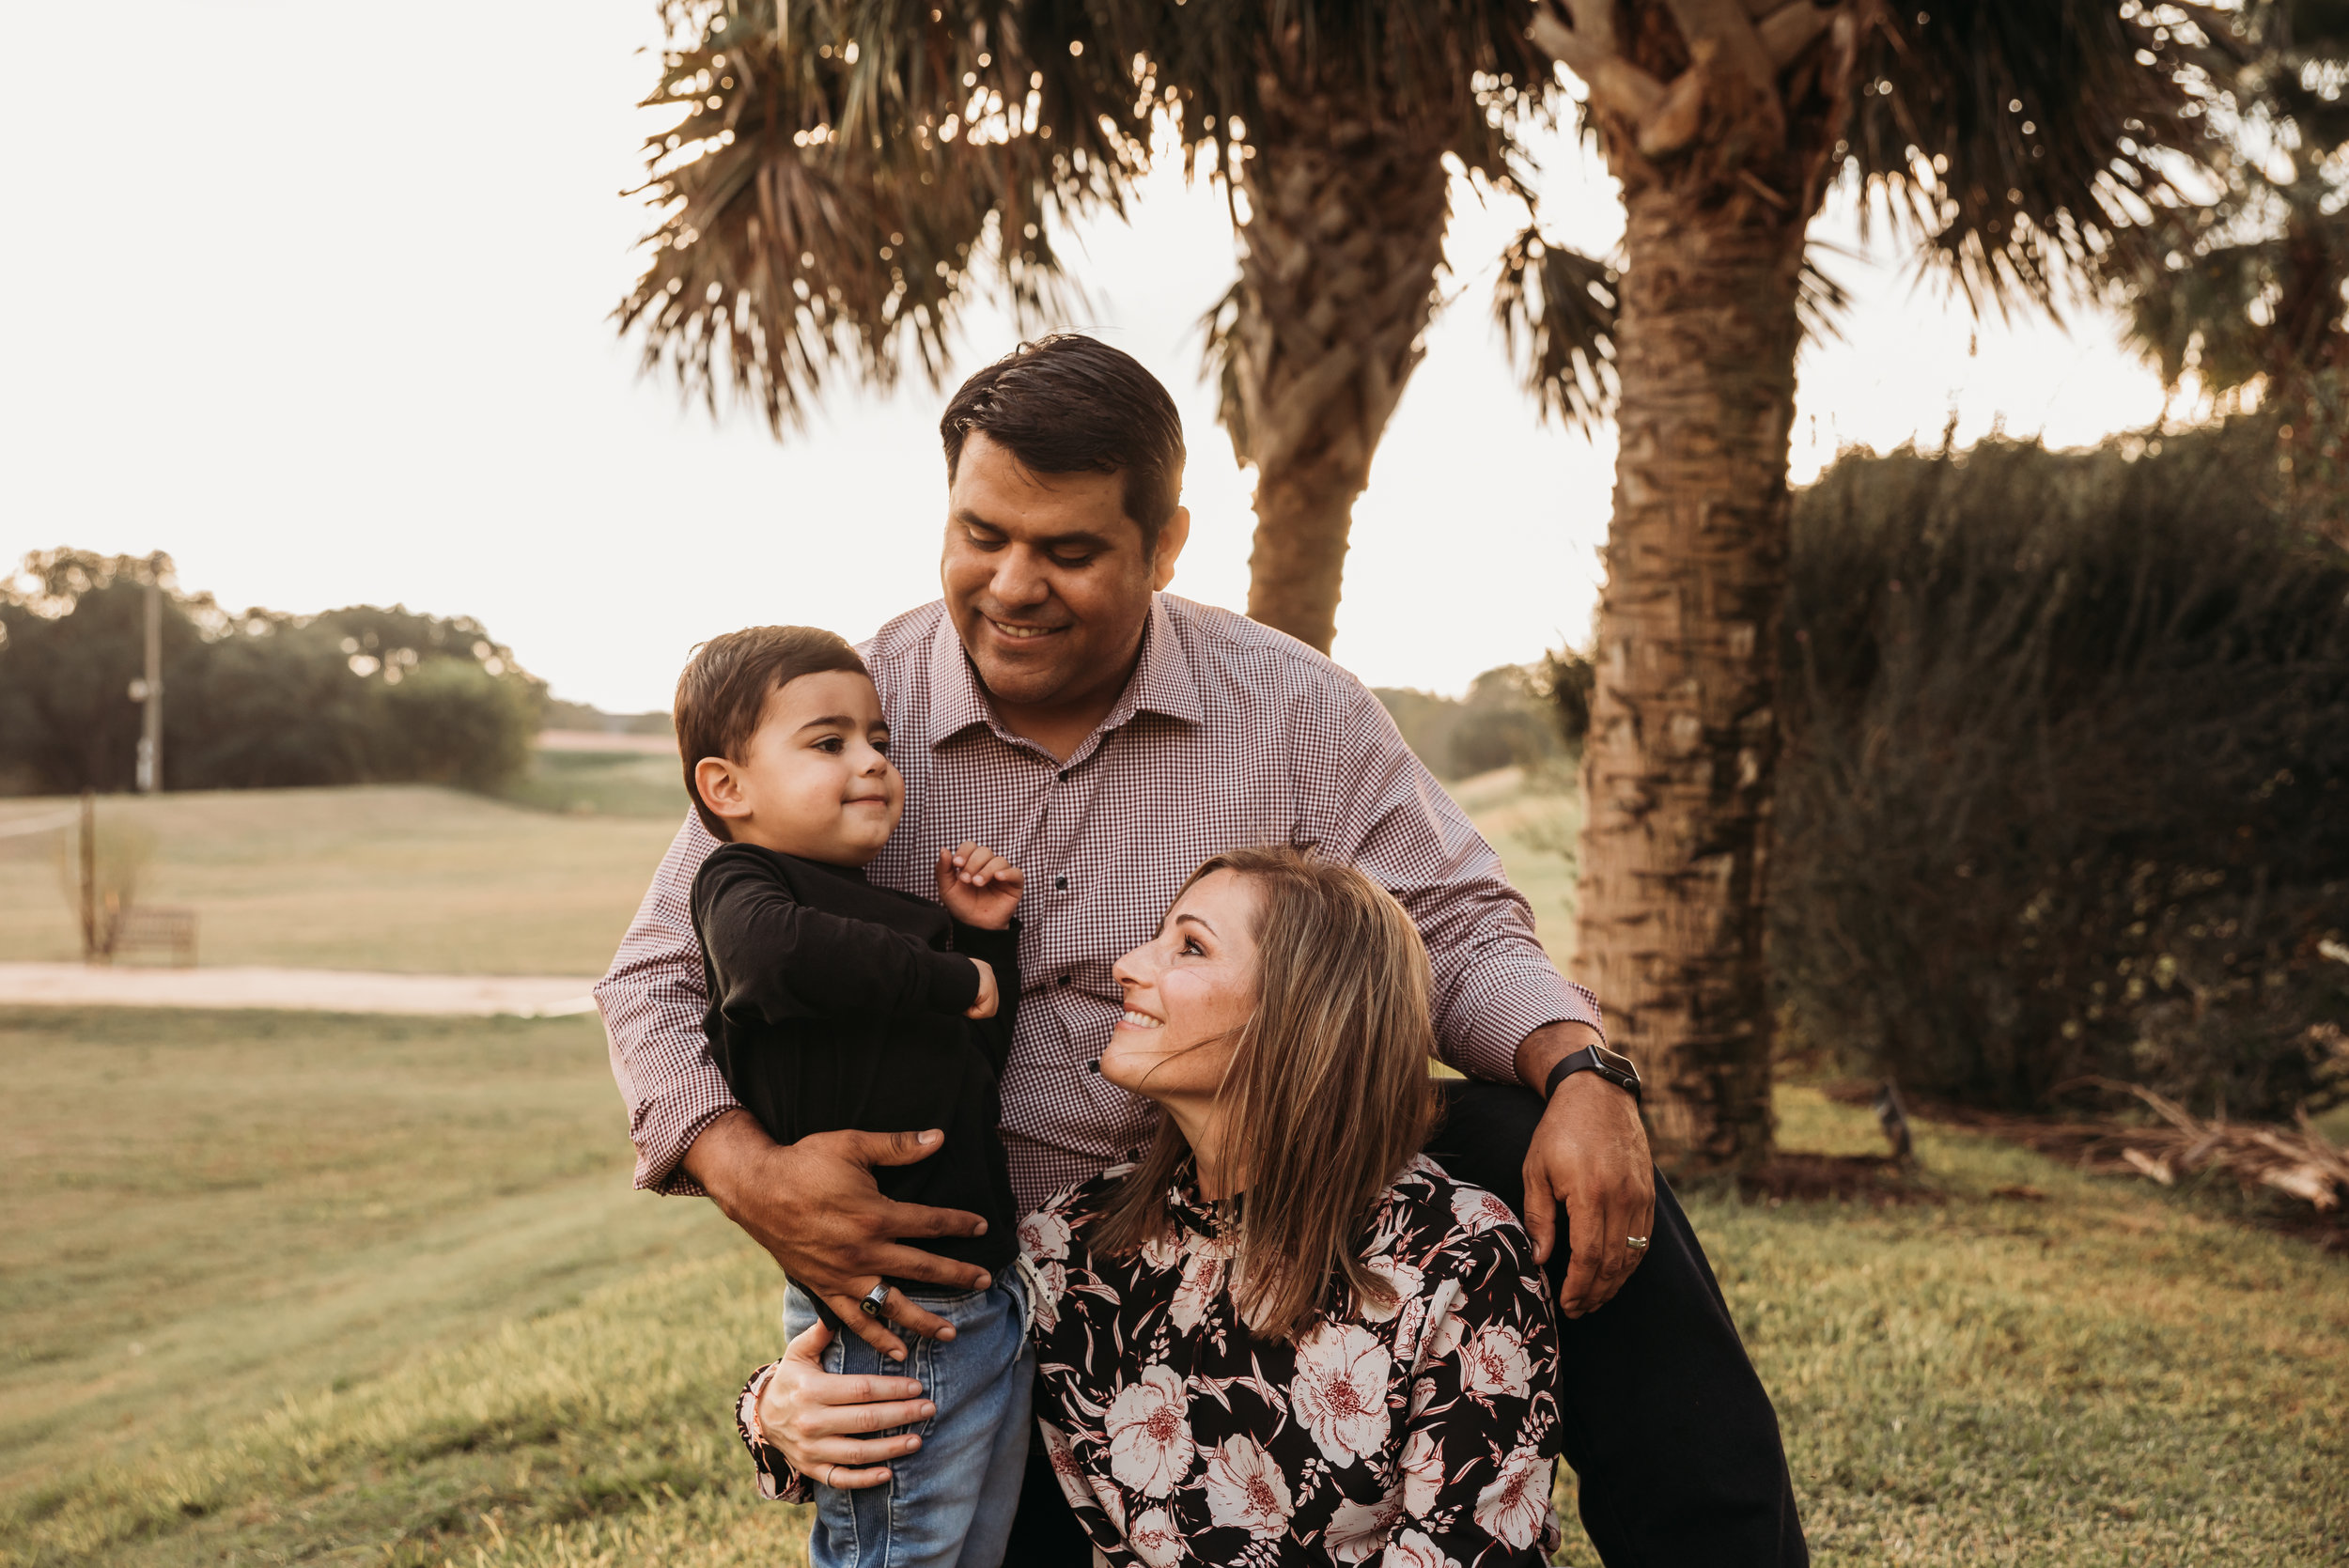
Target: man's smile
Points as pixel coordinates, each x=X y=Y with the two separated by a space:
x=1019 y=633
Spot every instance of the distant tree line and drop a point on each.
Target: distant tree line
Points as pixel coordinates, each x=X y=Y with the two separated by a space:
x=1506 y=720
x=252 y=699
x=2065 y=788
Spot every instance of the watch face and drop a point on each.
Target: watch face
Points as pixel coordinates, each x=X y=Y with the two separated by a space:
x=1615 y=1065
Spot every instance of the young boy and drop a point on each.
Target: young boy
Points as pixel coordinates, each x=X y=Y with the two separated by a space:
x=835 y=1004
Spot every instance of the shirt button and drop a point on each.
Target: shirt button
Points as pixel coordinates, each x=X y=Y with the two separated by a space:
x=1064 y=980
x=1063 y=775
x=1061 y=883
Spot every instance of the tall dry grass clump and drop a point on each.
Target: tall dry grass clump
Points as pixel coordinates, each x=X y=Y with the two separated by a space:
x=2066 y=790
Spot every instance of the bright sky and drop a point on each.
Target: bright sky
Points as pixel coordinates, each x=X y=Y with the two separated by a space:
x=314 y=298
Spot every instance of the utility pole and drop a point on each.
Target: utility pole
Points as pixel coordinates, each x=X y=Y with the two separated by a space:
x=149 y=690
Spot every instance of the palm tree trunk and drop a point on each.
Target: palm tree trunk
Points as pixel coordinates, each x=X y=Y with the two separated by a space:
x=1677 y=771
x=1343 y=238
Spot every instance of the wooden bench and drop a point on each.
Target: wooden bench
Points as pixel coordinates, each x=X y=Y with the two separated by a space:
x=155 y=930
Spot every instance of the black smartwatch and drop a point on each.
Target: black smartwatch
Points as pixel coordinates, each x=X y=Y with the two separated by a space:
x=1613 y=1066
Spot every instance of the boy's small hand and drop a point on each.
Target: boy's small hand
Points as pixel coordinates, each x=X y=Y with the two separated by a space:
x=978 y=886
x=985 y=1006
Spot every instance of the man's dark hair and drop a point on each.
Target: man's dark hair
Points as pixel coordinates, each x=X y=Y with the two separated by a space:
x=723 y=691
x=1067 y=404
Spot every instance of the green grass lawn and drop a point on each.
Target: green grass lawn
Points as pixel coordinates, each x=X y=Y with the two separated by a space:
x=280 y=1287
x=210 y=1212
x=2101 y=1376
x=402 y=877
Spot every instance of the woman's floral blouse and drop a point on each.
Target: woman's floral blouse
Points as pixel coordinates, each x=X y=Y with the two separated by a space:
x=1424 y=1431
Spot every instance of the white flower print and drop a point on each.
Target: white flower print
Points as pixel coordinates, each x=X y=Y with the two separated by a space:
x=1476 y=1210
x=1153 y=1538
x=1164 y=1249
x=1444 y=1331
x=1423 y=1472
x=1047 y=1283
x=1044 y=1236
x=1412 y=1549
x=1149 y=1431
x=1202 y=1276
x=1515 y=1504
x=1358 y=1529
x=1404 y=1278
x=1339 y=1391
x=1246 y=1489
x=1494 y=1362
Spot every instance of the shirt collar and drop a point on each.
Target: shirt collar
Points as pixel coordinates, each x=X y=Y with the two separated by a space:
x=1163 y=682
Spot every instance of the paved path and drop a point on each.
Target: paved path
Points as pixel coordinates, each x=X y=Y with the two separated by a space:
x=310 y=990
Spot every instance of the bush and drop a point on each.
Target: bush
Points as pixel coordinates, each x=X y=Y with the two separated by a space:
x=2066 y=784
x=253 y=700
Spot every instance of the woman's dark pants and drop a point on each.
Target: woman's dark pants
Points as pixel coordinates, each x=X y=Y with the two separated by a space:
x=1665 y=1423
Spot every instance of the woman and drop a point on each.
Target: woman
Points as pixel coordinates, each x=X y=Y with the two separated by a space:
x=1283 y=1337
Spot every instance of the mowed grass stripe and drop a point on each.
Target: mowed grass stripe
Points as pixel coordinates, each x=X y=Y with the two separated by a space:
x=209 y=1212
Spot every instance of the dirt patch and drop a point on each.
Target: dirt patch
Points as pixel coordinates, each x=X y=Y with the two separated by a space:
x=1876 y=1180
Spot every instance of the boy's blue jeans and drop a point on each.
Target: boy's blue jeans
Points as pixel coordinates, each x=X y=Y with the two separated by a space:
x=949 y=1503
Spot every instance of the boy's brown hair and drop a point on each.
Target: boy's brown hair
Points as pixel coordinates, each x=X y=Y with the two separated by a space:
x=723 y=691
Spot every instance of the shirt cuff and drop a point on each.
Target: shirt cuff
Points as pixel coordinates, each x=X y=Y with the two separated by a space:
x=1505 y=1001
x=954 y=982
x=660 y=1163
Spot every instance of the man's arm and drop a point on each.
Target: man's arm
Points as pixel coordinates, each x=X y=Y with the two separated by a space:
x=653 y=999
x=813 y=1206
x=1502 y=1012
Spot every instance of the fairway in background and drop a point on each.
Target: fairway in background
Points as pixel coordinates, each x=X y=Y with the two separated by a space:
x=1533 y=819
x=403 y=877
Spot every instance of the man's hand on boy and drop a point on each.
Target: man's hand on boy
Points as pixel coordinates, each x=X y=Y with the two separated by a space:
x=815 y=1206
x=989 y=999
x=978 y=887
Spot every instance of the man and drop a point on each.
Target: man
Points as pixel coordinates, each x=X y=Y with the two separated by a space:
x=1108 y=738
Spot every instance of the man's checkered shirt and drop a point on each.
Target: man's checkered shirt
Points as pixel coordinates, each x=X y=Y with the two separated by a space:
x=1229 y=733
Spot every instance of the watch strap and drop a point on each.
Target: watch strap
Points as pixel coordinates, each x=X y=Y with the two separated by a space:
x=1588 y=1060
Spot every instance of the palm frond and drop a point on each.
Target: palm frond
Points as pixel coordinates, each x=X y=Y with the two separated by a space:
x=2032 y=144
x=850 y=175
x=1556 y=310
x=834 y=197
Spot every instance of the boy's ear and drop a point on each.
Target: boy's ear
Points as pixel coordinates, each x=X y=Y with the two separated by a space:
x=720 y=787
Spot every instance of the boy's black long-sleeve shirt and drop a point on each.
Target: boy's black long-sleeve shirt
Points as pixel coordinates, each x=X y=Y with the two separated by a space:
x=835 y=1005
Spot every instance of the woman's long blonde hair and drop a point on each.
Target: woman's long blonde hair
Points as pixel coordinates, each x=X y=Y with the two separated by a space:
x=1325 y=1098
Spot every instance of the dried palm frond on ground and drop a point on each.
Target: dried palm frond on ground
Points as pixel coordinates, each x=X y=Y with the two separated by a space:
x=2298 y=1161
x=2296 y=1178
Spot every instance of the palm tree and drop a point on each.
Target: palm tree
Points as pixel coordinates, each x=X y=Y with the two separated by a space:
x=849 y=177
x=2026 y=144
x=2247 y=295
